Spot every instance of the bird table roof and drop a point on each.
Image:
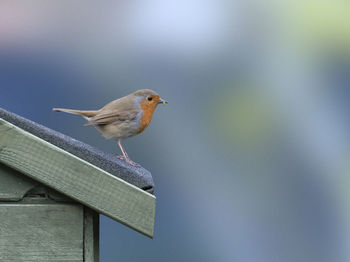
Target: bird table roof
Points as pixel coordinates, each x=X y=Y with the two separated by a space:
x=96 y=179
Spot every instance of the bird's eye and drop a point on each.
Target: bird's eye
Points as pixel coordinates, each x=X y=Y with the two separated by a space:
x=149 y=98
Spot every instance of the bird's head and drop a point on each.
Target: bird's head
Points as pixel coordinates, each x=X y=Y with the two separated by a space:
x=149 y=98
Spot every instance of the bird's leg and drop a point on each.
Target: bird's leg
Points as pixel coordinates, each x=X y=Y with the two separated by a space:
x=125 y=156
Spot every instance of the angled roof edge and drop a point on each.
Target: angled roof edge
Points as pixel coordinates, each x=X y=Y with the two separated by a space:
x=137 y=176
x=77 y=178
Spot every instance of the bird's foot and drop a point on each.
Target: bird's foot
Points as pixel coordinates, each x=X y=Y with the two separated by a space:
x=128 y=160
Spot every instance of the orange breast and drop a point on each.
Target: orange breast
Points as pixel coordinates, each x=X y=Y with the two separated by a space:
x=148 y=110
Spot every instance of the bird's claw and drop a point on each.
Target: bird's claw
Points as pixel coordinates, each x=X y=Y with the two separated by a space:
x=120 y=157
x=128 y=160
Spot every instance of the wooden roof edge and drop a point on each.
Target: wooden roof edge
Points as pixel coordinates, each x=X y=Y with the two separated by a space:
x=137 y=176
x=77 y=178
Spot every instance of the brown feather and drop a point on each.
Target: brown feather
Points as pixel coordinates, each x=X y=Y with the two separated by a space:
x=113 y=117
x=86 y=113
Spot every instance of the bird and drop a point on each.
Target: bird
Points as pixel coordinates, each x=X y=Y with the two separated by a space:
x=122 y=118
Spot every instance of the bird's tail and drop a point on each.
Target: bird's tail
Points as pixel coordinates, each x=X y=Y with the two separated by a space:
x=84 y=113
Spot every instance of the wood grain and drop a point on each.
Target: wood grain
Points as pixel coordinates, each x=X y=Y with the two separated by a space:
x=41 y=233
x=77 y=178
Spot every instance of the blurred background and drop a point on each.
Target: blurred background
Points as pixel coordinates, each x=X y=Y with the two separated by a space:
x=251 y=157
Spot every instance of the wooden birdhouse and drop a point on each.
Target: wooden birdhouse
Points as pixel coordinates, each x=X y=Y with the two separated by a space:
x=53 y=188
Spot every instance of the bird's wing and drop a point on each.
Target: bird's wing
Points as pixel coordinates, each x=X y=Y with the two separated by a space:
x=113 y=117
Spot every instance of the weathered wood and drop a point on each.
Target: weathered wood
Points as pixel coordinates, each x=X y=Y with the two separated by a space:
x=41 y=232
x=44 y=191
x=77 y=178
x=91 y=236
x=13 y=184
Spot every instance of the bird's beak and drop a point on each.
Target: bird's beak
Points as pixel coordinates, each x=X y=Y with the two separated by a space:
x=162 y=101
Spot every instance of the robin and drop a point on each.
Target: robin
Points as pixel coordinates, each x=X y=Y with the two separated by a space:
x=122 y=118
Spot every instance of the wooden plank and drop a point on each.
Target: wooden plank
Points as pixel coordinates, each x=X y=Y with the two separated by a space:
x=77 y=178
x=13 y=184
x=41 y=233
x=91 y=236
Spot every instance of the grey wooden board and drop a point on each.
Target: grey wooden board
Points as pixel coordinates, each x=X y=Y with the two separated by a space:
x=91 y=236
x=41 y=232
x=13 y=184
x=77 y=178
